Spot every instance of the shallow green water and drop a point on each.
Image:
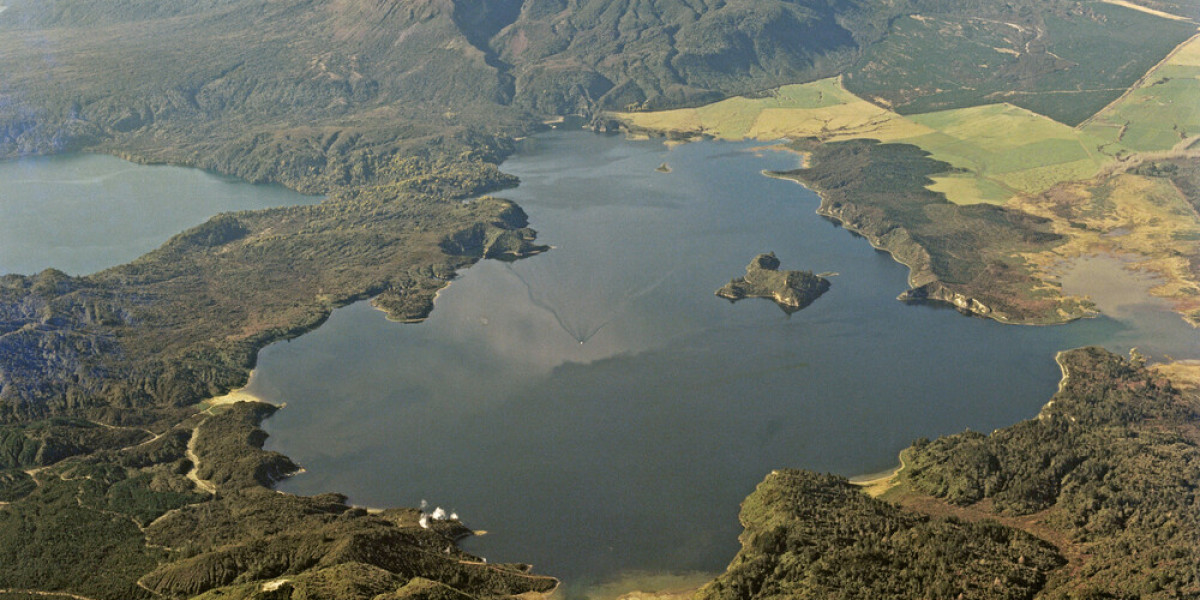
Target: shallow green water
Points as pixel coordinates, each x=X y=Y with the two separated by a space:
x=632 y=451
x=85 y=212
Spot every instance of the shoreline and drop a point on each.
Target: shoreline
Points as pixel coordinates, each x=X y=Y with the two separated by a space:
x=874 y=484
x=237 y=395
x=879 y=483
x=821 y=195
x=412 y=320
x=645 y=585
x=912 y=272
x=1106 y=288
x=937 y=291
x=781 y=146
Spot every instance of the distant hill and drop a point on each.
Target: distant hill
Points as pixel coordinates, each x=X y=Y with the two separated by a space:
x=296 y=91
x=657 y=53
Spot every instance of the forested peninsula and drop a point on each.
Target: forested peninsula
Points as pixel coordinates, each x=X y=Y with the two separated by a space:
x=1093 y=498
x=121 y=478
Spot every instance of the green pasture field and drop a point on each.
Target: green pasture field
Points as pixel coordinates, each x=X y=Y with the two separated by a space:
x=1159 y=115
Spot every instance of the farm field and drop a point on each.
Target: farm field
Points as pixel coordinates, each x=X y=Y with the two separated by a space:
x=1160 y=113
x=998 y=151
x=1159 y=8
x=1007 y=155
x=1182 y=9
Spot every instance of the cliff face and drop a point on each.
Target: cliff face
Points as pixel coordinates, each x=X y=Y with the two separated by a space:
x=896 y=240
x=791 y=290
x=966 y=256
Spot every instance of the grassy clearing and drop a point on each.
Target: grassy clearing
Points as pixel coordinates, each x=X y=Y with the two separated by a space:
x=1146 y=9
x=1187 y=55
x=969 y=185
x=821 y=109
x=834 y=123
x=1182 y=373
x=1010 y=147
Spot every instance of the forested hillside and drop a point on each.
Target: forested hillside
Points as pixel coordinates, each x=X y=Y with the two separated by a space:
x=299 y=91
x=1107 y=471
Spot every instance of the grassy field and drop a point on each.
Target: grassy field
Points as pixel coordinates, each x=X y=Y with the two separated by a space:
x=998 y=150
x=820 y=109
x=1184 y=8
x=1012 y=148
x=1160 y=113
x=1161 y=12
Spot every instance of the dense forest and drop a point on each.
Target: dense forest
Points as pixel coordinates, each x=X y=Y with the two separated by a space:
x=1111 y=463
x=1108 y=470
x=818 y=536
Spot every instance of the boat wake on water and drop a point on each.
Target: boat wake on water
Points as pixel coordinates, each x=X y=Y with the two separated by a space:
x=581 y=308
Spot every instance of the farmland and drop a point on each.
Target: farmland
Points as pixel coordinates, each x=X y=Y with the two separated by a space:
x=1007 y=154
x=997 y=151
x=1160 y=113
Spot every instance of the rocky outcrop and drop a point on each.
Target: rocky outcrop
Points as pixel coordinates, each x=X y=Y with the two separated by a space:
x=791 y=290
x=897 y=241
x=504 y=238
x=939 y=292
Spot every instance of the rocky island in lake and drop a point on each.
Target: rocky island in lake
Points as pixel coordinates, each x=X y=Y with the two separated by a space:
x=791 y=290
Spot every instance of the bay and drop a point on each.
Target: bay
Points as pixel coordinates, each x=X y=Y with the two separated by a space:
x=81 y=213
x=601 y=413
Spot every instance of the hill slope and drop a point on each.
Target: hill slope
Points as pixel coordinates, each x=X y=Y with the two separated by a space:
x=1107 y=472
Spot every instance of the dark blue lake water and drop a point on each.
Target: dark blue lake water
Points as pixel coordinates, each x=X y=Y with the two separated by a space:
x=632 y=451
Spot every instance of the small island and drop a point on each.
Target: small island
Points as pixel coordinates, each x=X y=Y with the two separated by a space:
x=791 y=290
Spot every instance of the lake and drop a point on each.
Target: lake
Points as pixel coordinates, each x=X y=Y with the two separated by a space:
x=602 y=413
x=81 y=213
